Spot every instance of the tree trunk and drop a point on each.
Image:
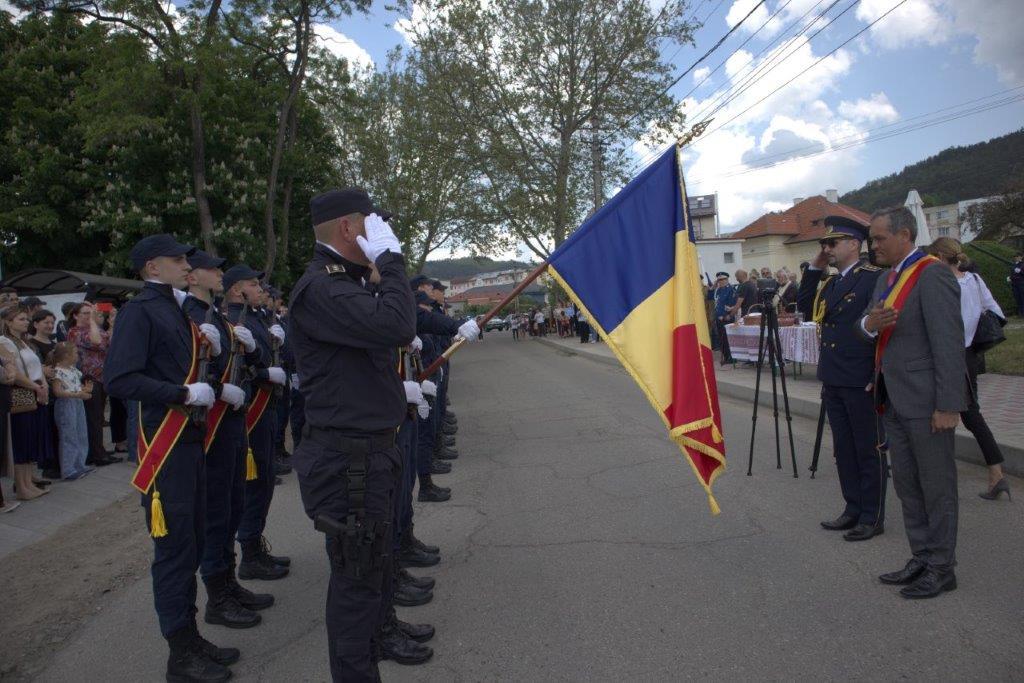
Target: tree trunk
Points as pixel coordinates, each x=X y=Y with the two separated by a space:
x=560 y=228
x=303 y=31
x=286 y=201
x=199 y=171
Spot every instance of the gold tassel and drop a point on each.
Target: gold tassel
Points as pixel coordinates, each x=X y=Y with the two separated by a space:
x=250 y=466
x=715 y=510
x=157 y=523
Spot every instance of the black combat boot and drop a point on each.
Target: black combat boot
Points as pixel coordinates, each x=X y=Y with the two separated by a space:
x=421 y=633
x=258 y=566
x=448 y=441
x=449 y=429
x=392 y=643
x=408 y=595
x=411 y=556
x=445 y=453
x=245 y=597
x=440 y=467
x=220 y=655
x=223 y=608
x=422 y=582
x=425 y=547
x=430 y=492
x=186 y=664
x=282 y=560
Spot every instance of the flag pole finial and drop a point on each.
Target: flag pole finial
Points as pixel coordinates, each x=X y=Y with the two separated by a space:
x=694 y=132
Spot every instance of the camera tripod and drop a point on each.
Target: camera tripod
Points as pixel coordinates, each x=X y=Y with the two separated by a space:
x=770 y=346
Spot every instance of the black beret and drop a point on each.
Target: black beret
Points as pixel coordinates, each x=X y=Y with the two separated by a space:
x=418 y=280
x=201 y=259
x=155 y=246
x=240 y=272
x=337 y=203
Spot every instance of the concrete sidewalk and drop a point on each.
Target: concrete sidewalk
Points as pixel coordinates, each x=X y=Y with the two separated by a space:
x=1002 y=399
x=67 y=501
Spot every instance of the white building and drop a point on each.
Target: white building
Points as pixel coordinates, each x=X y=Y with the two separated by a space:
x=503 y=277
x=720 y=254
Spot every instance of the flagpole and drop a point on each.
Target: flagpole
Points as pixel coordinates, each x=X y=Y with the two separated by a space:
x=459 y=341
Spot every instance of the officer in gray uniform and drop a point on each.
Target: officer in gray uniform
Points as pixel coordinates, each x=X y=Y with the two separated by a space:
x=345 y=339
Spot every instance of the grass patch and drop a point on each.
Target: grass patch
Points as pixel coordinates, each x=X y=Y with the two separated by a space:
x=1008 y=357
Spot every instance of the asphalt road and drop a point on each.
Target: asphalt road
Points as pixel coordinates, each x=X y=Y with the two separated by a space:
x=578 y=546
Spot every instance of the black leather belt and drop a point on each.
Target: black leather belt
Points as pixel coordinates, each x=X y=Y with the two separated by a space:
x=345 y=442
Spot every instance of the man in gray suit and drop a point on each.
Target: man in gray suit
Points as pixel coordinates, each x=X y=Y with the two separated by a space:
x=922 y=387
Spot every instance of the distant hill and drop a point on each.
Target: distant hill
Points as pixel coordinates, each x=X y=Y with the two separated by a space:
x=950 y=176
x=446 y=269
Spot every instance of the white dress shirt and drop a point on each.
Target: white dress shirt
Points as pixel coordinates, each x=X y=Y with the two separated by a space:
x=975 y=299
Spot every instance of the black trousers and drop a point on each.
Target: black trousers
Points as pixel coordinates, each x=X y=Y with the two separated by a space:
x=723 y=341
x=118 y=420
x=974 y=420
x=861 y=468
x=353 y=606
x=94 y=409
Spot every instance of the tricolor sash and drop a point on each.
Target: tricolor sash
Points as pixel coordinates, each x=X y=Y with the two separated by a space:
x=256 y=408
x=216 y=414
x=896 y=296
x=153 y=453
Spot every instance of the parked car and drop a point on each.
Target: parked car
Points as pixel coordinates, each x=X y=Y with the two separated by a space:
x=497 y=323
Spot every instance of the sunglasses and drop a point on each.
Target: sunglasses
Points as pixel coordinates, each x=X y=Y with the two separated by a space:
x=831 y=242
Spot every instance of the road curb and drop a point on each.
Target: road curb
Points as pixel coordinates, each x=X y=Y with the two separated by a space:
x=967 y=448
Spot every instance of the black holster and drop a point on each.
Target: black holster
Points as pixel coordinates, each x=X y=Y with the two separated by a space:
x=358 y=547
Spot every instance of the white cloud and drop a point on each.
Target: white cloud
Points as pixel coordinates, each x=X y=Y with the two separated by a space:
x=740 y=9
x=700 y=73
x=916 y=21
x=875 y=109
x=342 y=46
x=996 y=24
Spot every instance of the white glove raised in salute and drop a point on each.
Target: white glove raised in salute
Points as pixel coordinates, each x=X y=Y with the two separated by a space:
x=200 y=394
x=276 y=376
x=469 y=330
x=277 y=332
x=379 y=238
x=232 y=395
x=212 y=335
x=245 y=336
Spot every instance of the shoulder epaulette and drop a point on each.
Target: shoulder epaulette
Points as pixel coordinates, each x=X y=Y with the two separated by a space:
x=867 y=267
x=336 y=270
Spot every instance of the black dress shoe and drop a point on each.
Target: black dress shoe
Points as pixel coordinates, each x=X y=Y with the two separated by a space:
x=931 y=584
x=422 y=582
x=445 y=453
x=395 y=645
x=412 y=556
x=440 y=467
x=906 y=575
x=104 y=461
x=432 y=494
x=864 y=532
x=407 y=595
x=421 y=633
x=841 y=523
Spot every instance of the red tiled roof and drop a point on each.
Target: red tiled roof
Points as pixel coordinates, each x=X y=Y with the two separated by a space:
x=801 y=221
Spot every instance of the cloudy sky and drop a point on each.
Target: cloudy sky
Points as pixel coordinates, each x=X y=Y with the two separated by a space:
x=926 y=60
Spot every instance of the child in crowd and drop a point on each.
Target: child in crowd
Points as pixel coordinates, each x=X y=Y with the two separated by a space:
x=69 y=411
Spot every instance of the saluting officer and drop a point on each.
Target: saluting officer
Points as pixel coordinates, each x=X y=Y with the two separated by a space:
x=154 y=358
x=846 y=369
x=345 y=340
x=228 y=603
x=242 y=292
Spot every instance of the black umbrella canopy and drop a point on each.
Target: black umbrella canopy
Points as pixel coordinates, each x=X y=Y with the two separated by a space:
x=42 y=281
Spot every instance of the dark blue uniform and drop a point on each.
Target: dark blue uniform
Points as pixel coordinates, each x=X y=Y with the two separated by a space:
x=345 y=341
x=845 y=368
x=259 y=491
x=436 y=330
x=148 y=361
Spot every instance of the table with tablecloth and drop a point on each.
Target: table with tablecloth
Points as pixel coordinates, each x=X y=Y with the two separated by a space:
x=799 y=342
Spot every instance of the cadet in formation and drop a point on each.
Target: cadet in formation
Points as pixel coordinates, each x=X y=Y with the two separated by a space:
x=846 y=370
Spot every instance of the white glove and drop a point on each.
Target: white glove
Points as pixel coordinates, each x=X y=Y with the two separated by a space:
x=295 y=380
x=245 y=336
x=200 y=394
x=469 y=330
x=232 y=395
x=212 y=335
x=379 y=238
x=429 y=388
x=423 y=409
x=276 y=376
x=413 y=393
x=416 y=345
x=278 y=332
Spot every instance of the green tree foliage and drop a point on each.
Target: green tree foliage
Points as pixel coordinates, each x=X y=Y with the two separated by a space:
x=992 y=261
x=447 y=269
x=952 y=175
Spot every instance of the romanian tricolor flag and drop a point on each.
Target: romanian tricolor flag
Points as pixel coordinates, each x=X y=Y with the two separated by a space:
x=632 y=268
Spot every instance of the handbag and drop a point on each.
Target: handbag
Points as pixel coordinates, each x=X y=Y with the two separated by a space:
x=22 y=400
x=990 y=331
